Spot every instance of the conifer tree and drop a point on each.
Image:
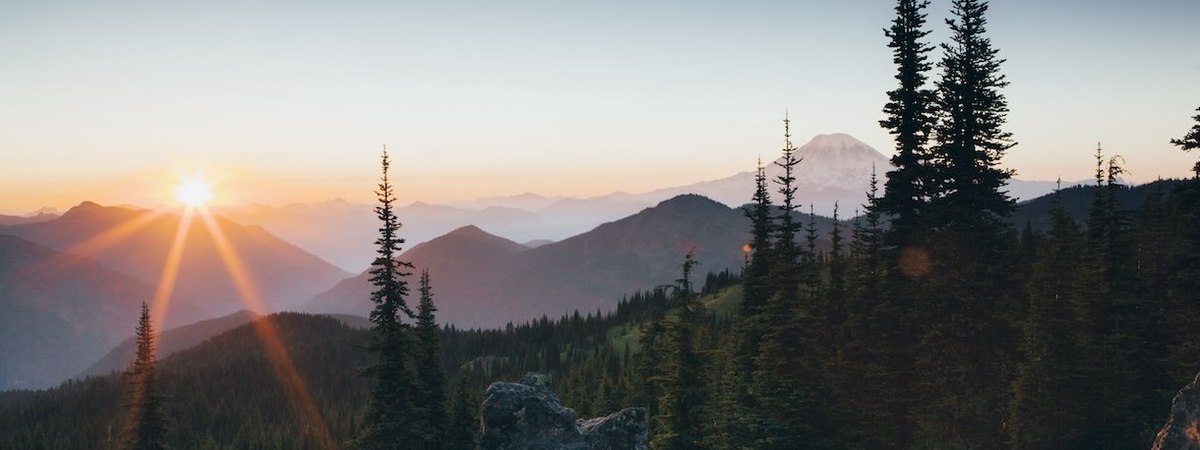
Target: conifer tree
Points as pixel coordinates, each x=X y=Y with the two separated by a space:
x=744 y=342
x=876 y=358
x=810 y=237
x=962 y=276
x=647 y=364
x=1191 y=141
x=681 y=393
x=971 y=114
x=837 y=272
x=1117 y=356
x=783 y=379
x=1049 y=408
x=784 y=249
x=463 y=426
x=394 y=417
x=755 y=277
x=868 y=239
x=145 y=425
x=429 y=365
x=910 y=120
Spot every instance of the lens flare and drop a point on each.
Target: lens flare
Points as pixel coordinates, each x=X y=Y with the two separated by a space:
x=161 y=303
x=194 y=192
x=299 y=399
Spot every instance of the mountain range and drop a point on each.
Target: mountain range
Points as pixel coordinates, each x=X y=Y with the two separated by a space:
x=835 y=168
x=137 y=243
x=62 y=310
x=95 y=264
x=480 y=279
x=71 y=286
x=483 y=280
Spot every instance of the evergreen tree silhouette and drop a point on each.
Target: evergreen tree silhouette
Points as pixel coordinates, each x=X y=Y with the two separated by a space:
x=429 y=365
x=678 y=424
x=145 y=425
x=1191 y=141
x=783 y=381
x=910 y=119
x=971 y=114
x=961 y=279
x=395 y=417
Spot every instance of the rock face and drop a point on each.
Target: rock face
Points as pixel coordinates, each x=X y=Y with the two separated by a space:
x=1182 y=430
x=527 y=415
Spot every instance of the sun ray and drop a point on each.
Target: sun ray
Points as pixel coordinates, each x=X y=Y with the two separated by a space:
x=299 y=398
x=92 y=245
x=166 y=282
x=116 y=233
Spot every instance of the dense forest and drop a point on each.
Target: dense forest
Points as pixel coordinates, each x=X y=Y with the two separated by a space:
x=936 y=319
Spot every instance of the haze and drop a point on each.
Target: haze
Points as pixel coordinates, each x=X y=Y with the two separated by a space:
x=290 y=101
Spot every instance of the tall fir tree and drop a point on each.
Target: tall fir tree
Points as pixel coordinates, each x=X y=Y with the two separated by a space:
x=910 y=120
x=784 y=383
x=867 y=240
x=1118 y=359
x=962 y=276
x=678 y=423
x=1191 y=141
x=756 y=275
x=837 y=269
x=875 y=362
x=145 y=425
x=743 y=344
x=395 y=417
x=429 y=365
x=971 y=115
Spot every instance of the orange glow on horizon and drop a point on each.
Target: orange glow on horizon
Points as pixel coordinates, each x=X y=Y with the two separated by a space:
x=300 y=401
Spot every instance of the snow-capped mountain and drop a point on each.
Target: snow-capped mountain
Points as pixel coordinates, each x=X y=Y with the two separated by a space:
x=833 y=168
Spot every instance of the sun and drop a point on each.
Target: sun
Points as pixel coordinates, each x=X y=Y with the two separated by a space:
x=194 y=192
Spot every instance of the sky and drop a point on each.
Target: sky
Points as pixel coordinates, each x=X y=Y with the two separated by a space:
x=279 y=102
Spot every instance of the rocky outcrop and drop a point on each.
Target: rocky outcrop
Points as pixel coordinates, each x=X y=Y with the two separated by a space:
x=624 y=429
x=1182 y=430
x=527 y=415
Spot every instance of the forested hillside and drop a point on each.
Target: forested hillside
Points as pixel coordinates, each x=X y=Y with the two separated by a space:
x=224 y=394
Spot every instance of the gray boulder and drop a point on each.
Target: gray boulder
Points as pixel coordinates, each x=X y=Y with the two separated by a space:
x=526 y=415
x=624 y=429
x=1182 y=430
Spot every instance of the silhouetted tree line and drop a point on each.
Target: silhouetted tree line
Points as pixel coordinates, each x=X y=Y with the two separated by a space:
x=948 y=327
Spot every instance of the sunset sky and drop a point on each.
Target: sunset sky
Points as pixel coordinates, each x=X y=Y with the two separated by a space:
x=290 y=101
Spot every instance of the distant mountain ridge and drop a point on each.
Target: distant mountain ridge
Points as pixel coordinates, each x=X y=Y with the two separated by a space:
x=1077 y=199
x=168 y=342
x=136 y=242
x=19 y=220
x=835 y=168
x=58 y=311
x=483 y=280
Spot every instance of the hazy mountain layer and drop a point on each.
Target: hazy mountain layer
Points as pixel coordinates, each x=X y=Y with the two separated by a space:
x=60 y=311
x=137 y=242
x=835 y=168
x=482 y=280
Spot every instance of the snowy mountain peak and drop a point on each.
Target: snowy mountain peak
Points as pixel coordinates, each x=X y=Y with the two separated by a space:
x=839 y=149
